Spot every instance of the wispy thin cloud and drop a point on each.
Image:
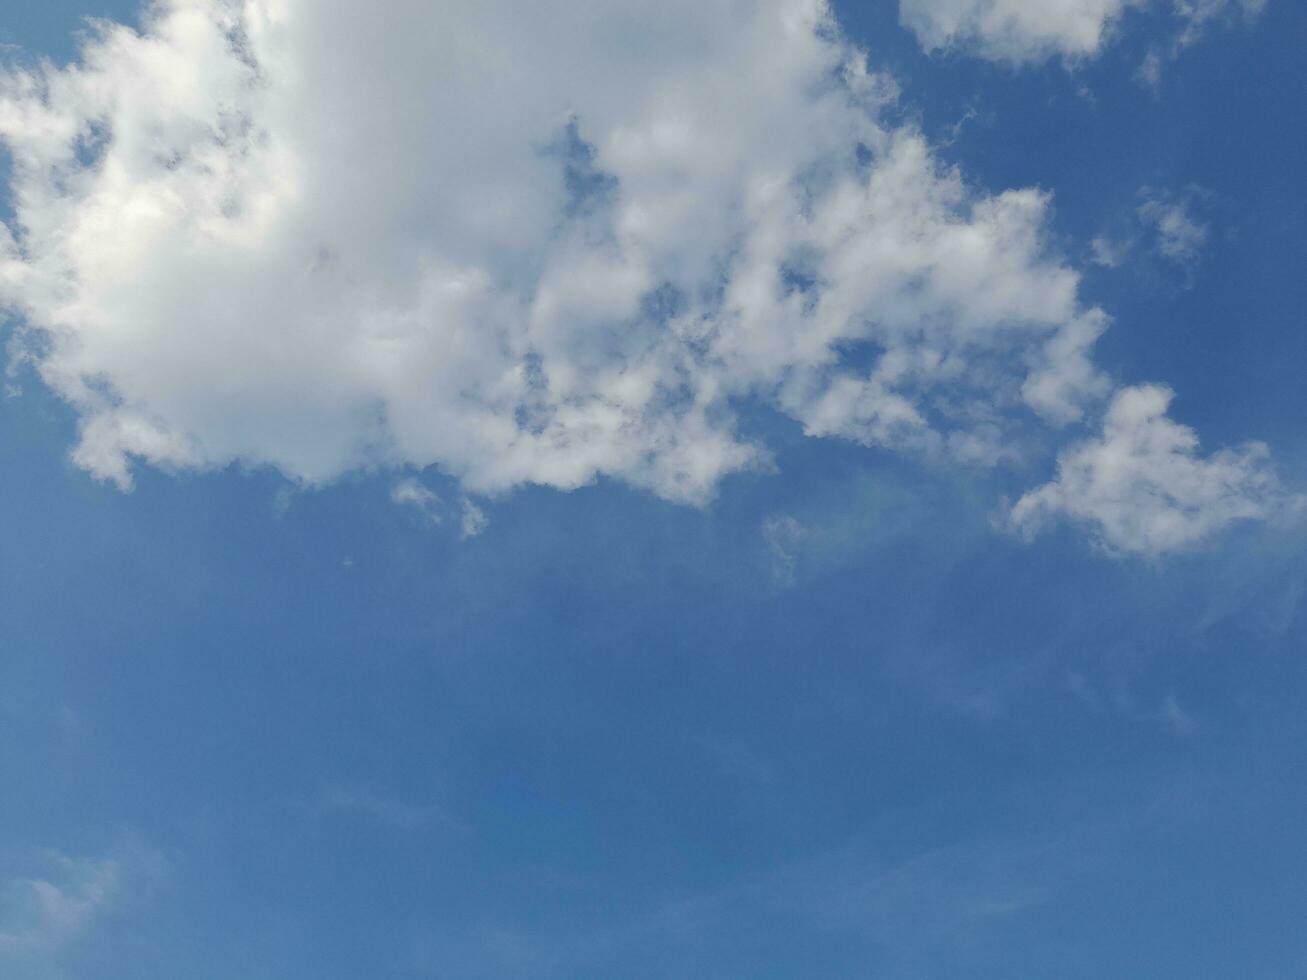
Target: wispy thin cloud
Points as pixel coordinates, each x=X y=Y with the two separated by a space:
x=386 y=809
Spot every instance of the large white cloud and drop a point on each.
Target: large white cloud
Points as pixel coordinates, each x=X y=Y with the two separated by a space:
x=526 y=243
x=1021 y=31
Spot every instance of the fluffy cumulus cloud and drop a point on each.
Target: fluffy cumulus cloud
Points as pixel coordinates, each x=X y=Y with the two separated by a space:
x=522 y=243
x=1144 y=487
x=1021 y=31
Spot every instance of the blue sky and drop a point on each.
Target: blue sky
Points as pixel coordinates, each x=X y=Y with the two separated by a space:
x=321 y=661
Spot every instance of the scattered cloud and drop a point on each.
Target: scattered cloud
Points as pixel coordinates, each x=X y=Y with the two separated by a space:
x=1022 y=32
x=1116 y=700
x=410 y=492
x=474 y=520
x=385 y=809
x=1195 y=18
x=784 y=537
x=1110 y=252
x=1167 y=226
x=1014 y=31
x=282 y=500
x=42 y=912
x=1179 y=235
x=59 y=898
x=1144 y=488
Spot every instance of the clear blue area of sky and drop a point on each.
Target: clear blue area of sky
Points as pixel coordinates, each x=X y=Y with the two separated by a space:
x=612 y=737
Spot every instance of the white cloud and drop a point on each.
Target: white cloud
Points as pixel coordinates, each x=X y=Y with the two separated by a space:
x=1167 y=224
x=1013 y=30
x=1197 y=15
x=519 y=243
x=474 y=520
x=1110 y=252
x=410 y=492
x=1024 y=31
x=1179 y=235
x=784 y=537
x=524 y=245
x=1143 y=487
x=1063 y=374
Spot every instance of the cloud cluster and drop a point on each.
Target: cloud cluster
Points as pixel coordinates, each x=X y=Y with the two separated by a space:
x=410 y=492
x=1143 y=486
x=1024 y=31
x=1166 y=225
x=522 y=243
x=524 y=246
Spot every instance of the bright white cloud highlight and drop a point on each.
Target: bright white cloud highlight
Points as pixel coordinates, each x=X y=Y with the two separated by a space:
x=1143 y=486
x=1023 y=31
